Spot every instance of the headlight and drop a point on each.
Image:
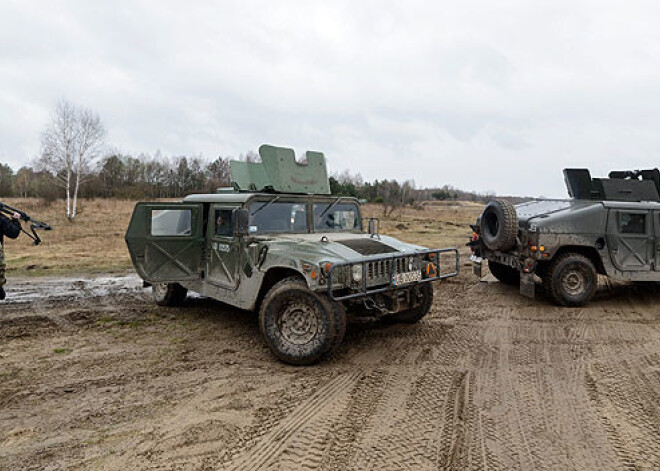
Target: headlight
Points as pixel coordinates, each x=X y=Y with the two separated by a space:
x=356 y=273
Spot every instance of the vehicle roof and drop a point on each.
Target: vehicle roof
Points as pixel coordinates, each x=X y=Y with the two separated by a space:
x=632 y=204
x=239 y=197
x=536 y=208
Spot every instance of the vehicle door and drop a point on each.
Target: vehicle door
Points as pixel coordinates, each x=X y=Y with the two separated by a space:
x=656 y=233
x=631 y=239
x=166 y=241
x=224 y=248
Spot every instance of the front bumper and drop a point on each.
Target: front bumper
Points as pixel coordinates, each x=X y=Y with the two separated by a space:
x=379 y=273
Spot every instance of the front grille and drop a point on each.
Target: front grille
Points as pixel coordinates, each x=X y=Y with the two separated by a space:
x=380 y=270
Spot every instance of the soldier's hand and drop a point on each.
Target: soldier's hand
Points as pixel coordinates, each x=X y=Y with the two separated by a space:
x=16 y=216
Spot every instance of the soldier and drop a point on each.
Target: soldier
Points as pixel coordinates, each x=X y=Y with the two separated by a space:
x=10 y=228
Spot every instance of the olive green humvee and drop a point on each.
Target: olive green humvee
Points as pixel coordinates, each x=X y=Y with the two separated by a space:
x=280 y=244
x=609 y=227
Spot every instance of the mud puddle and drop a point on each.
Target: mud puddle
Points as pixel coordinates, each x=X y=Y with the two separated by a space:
x=30 y=290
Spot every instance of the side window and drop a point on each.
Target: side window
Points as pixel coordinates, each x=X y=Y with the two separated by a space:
x=171 y=222
x=632 y=223
x=223 y=222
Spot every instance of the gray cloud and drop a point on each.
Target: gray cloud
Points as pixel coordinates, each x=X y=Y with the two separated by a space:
x=484 y=95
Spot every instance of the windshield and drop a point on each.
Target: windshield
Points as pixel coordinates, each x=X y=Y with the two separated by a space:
x=277 y=217
x=336 y=217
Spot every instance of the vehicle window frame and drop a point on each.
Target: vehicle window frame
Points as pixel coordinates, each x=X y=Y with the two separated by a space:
x=213 y=222
x=151 y=234
x=620 y=226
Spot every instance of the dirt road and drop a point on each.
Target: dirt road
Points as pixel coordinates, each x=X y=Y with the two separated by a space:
x=489 y=380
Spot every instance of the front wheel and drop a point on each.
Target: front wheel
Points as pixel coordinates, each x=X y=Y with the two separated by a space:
x=411 y=316
x=169 y=294
x=571 y=280
x=300 y=326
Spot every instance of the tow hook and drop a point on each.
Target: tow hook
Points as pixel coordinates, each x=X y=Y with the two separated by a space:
x=372 y=305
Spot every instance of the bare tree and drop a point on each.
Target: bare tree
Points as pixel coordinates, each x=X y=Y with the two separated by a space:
x=69 y=145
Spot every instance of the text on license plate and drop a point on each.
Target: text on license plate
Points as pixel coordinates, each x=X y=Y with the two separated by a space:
x=405 y=278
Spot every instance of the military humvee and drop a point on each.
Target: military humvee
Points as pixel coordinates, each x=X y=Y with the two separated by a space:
x=610 y=226
x=280 y=244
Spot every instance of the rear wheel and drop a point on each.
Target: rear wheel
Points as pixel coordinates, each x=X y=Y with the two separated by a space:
x=571 y=280
x=169 y=294
x=505 y=274
x=411 y=316
x=300 y=327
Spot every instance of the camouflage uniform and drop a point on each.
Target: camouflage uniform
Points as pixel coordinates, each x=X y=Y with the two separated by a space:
x=10 y=228
x=2 y=265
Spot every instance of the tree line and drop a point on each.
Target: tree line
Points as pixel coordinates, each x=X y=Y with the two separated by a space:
x=393 y=194
x=74 y=162
x=124 y=176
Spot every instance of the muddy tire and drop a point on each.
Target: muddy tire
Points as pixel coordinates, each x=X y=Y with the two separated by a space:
x=299 y=326
x=571 y=280
x=499 y=225
x=416 y=314
x=504 y=274
x=169 y=294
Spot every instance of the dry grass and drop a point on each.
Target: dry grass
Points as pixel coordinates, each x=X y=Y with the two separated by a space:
x=94 y=242
x=434 y=225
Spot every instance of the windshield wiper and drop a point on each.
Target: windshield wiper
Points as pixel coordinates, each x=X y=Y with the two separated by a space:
x=329 y=207
x=265 y=205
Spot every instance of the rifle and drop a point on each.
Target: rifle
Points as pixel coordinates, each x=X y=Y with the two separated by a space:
x=8 y=211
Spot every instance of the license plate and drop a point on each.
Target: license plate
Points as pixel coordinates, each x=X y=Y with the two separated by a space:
x=406 y=278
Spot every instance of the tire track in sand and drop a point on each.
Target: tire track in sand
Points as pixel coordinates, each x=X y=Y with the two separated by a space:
x=308 y=424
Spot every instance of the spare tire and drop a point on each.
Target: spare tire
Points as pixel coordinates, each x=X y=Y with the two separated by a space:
x=499 y=225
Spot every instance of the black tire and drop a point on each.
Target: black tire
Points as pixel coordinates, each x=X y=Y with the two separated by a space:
x=505 y=274
x=499 y=225
x=169 y=294
x=299 y=326
x=571 y=280
x=416 y=314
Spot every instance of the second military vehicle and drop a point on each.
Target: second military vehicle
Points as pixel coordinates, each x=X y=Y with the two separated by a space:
x=280 y=244
x=609 y=226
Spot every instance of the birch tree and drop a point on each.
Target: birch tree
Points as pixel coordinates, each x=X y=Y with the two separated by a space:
x=69 y=145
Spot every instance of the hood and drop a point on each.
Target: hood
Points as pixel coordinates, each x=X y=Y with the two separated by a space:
x=561 y=216
x=336 y=247
x=549 y=208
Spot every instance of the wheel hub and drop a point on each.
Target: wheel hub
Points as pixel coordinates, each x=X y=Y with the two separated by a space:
x=298 y=323
x=574 y=282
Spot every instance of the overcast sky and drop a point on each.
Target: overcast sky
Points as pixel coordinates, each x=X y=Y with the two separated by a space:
x=489 y=96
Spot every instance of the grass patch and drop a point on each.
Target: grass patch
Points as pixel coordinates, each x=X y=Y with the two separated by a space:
x=93 y=243
x=60 y=350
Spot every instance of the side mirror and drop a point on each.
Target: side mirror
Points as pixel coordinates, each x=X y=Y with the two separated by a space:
x=374 y=226
x=241 y=218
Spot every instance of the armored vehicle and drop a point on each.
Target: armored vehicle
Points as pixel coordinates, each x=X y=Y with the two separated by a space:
x=278 y=243
x=609 y=226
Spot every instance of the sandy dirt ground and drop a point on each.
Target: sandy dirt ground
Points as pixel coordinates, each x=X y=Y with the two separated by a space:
x=93 y=375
